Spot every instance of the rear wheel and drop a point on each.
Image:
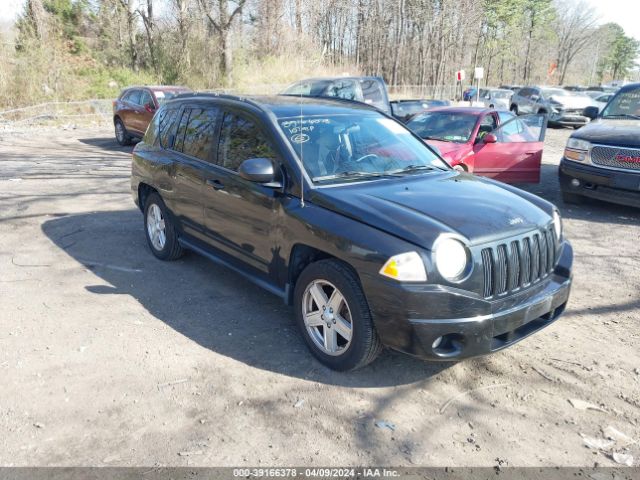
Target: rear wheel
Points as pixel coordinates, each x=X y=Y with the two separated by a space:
x=333 y=316
x=572 y=198
x=160 y=229
x=122 y=136
x=514 y=109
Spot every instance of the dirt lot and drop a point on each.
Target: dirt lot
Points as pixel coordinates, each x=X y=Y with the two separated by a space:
x=111 y=357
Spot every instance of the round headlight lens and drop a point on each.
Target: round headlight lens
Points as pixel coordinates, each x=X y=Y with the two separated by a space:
x=557 y=224
x=451 y=258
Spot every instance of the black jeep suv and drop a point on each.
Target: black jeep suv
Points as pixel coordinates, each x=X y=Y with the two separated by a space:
x=602 y=159
x=350 y=217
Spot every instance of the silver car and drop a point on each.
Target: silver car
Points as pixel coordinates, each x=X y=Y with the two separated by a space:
x=563 y=107
x=497 y=98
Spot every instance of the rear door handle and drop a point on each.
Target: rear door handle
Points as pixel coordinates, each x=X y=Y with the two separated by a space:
x=215 y=184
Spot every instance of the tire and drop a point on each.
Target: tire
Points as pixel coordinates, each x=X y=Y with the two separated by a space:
x=164 y=245
x=572 y=198
x=122 y=136
x=331 y=276
x=514 y=109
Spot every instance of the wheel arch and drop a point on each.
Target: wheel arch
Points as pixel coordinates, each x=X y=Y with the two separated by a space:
x=301 y=256
x=144 y=190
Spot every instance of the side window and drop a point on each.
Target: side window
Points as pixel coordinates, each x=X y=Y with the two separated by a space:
x=151 y=136
x=302 y=88
x=166 y=119
x=178 y=142
x=487 y=124
x=522 y=129
x=343 y=89
x=200 y=130
x=525 y=92
x=145 y=98
x=241 y=139
x=133 y=97
x=371 y=91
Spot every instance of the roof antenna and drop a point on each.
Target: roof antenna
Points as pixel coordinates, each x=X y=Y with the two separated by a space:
x=301 y=154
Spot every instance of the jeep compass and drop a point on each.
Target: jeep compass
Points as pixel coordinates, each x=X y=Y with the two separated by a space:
x=351 y=218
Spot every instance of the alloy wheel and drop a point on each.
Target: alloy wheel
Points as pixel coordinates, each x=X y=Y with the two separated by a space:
x=156 y=227
x=327 y=317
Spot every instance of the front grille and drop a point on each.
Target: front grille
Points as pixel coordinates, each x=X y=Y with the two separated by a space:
x=518 y=263
x=573 y=112
x=616 y=157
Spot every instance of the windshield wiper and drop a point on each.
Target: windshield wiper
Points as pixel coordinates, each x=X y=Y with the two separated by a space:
x=623 y=115
x=413 y=168
x=357 y=174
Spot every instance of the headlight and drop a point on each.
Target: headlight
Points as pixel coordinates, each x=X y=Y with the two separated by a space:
x=451 y=258
x=557 y=224
x=405 y=267
x=577 y=150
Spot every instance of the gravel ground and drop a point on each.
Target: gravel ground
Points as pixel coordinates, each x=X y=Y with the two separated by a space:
x=111 y=357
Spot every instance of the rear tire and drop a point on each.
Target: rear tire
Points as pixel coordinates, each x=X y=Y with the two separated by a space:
x=329 y=301
x=160 y=229
x=572 y=198
x=122 y=136
x=514 y=109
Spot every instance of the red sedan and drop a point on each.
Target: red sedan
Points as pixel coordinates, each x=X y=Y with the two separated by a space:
x=485 y=142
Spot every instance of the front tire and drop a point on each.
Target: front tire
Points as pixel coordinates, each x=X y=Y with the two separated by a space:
x=122 y=136
x=514 y=109
x=333 y=316
x=160 y=230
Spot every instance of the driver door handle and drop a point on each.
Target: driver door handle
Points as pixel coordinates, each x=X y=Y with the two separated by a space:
x=215 y=184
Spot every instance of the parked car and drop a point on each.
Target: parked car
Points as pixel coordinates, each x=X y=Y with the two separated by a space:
x=497 y=98
x=602 y=100
x=485 y=142
x=563 y=107
x=469 y=95
x=602 y=159
x=369 y=90
x=350 y=217
x=403 y=110
x=135 y=107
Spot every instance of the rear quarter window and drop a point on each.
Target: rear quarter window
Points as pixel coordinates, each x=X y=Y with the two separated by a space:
x=166 y=125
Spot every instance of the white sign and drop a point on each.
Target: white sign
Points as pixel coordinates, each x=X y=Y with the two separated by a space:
x=479 y=73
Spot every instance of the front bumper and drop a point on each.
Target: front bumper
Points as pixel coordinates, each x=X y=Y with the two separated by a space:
x=440 y=323
x=616 y=186
x=568 y=119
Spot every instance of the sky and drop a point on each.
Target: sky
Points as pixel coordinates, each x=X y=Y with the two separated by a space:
x=626 y=13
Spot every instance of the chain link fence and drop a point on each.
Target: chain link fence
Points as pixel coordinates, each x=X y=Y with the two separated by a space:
x=55 y=113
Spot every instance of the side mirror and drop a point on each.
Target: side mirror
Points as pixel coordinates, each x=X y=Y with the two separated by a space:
x=591 y=112
x=259 y=170
x=490 y=138
x=150 y=107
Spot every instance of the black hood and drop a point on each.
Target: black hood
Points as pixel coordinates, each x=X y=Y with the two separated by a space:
x=419 y=209
x=616 y=132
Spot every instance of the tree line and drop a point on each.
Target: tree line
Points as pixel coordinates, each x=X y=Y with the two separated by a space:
x=76 y=47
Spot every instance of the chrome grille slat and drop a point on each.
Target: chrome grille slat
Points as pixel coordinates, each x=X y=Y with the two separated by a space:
x=514 y=266
x=535 y=258
x=501 y=270
x=518 y=263
x=616 y=157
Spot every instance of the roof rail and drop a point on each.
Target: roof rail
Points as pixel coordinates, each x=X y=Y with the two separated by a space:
x=227 y=96
x=339 y=99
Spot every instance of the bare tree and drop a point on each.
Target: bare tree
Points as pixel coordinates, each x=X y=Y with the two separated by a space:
x=221 y=19
x=575 y=27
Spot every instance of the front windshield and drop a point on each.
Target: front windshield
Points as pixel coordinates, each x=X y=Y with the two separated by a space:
x=556 y=92
x=356 y=146
x=444 y=126
x=624 y=104
x=165 y=96
x=501 y=93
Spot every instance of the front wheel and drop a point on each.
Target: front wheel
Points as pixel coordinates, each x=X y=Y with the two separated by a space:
x=160 y=229
x=122 y=136
x=514 y=109
x=333 y=316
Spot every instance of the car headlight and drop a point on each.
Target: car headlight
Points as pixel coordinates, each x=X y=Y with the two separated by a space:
x=451 y=257
x=577 y=150
x=405 y=267
x=557 y=224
